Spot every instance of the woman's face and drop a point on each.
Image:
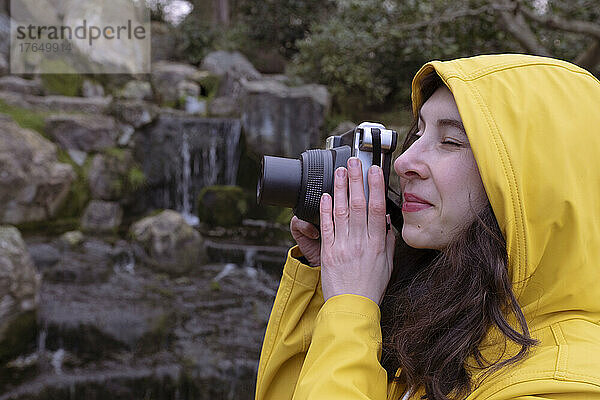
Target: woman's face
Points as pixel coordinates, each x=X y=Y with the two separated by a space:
x=440 y=170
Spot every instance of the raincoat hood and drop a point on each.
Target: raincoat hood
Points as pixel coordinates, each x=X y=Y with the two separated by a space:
x=534 y=128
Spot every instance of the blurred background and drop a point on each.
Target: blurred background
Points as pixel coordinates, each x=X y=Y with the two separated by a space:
x=134 y=260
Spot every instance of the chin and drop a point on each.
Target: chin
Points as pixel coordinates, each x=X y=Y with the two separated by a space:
x=417 y=241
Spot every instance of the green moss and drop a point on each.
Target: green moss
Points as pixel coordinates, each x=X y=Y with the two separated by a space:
x=65 y=84
x=79 y=194
x=160 y=336
x=19 y=336
x=52 y=227
x=115 y=152
x=67 y=217
x=209 y=86
x=163 y=292
x=27 y=119
x=215 y=286
x=222 y=205
x=136 y=178
x=128 y=176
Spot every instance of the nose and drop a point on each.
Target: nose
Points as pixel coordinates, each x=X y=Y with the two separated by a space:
x=412 y=164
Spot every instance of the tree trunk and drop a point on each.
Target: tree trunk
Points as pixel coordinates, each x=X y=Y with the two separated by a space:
x=222 y=12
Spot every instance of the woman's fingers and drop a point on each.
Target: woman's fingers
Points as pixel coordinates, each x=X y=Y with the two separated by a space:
x=304 y=228
x=390 y=244
x=377 y=218
x=327 y=233
x=340 y=202
x=358 y=205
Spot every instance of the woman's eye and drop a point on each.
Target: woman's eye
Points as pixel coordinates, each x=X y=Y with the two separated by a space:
x=451 y=142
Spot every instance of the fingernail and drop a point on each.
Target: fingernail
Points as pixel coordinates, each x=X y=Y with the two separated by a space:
x=373 y=170
x=353 y=161
x=341 y=172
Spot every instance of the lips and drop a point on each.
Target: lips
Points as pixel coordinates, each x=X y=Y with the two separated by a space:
x=414 y=203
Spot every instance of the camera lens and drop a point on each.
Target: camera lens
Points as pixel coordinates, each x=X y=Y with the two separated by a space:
x=279 y=181
x=297 y=183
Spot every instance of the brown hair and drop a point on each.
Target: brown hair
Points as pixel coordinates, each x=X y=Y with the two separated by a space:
x=439 y=305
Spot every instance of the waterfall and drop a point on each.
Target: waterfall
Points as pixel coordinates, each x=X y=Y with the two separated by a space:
x=233 y=158
x=181 y=155
x=186 y=181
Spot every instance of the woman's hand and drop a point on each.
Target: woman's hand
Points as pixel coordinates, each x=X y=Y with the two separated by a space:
x=307 y=237
x=356 y=252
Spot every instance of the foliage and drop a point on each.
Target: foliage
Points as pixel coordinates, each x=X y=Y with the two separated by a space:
x=26 y=118
x=280 y=24
x=368 y=50
x=196 y=39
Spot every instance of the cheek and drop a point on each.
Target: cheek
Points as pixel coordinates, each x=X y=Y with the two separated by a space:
x=462 y=192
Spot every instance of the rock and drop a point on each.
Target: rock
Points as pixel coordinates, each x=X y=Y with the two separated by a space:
x=283 y=120
x=4 y=34
x=113 y=332
x=19 y=294
x=43 y=255
x=72 y=238
x=224 y=107
x=16 y=84
x=83 y=132
x=102 y=216
x=136 y=113
x=129 y=56
x=230 y=62
x=233 y=68
x=136 y=90
x=91 y=105
x=127 y=132
x=170 y=244
x=109 y=175
x=167 y=76
x=33 y=184
x=92 y=89
x=222 y=205
x=77 y=156
x=187 y=88
x=4 y=67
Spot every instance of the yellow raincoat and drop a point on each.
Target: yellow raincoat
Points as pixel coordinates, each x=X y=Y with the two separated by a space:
x=534 y=127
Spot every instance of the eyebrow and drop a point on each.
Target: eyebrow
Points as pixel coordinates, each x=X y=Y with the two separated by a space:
x=448 y=122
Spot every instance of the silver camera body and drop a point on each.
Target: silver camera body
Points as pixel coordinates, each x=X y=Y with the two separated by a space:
x=373 y=144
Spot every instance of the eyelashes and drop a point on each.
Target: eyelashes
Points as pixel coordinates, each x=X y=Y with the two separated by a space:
x=414 y=137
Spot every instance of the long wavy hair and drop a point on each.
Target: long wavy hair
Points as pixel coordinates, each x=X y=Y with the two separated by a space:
x=439 y=305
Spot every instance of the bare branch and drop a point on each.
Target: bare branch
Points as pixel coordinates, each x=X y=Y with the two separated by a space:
x=590 y=58
x=514 y=23
x=555 y=22
x=449 y=17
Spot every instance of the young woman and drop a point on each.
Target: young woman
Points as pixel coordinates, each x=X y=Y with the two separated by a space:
x=490 y=293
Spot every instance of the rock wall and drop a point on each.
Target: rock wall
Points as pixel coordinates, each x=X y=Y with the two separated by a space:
x=114 y=290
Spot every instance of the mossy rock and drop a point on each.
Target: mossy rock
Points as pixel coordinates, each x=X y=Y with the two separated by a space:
x=209 y=85
x=34 y=120
x=79 y=194
x=69 y=83
x=222 y=205
x=18 y=336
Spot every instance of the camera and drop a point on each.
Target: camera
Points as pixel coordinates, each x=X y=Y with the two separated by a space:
x=300 y=183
